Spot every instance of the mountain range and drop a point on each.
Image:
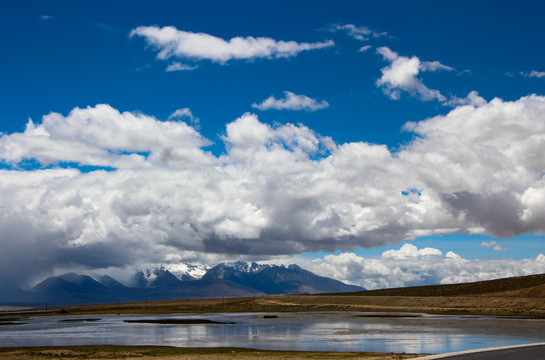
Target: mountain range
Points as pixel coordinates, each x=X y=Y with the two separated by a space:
x=185 y=281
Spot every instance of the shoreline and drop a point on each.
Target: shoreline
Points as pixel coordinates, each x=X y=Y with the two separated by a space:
x=172 y=353
x=482 y=306
x=387 y=306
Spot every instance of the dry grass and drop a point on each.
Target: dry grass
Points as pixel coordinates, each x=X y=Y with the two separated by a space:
x=520 y=287
x=451 y=305
x=533 y=308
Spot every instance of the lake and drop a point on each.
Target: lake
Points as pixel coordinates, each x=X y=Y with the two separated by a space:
x=320 y=331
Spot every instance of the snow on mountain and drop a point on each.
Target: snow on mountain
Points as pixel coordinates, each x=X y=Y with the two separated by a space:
x=187 y=272
x=182 y=271
x=276 y=279
x=245 y=266
x=184 y=281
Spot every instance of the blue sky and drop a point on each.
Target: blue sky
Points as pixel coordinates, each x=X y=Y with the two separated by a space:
x=81 y=55
x=310 y=110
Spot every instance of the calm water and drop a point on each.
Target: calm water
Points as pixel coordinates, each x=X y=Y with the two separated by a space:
x=324 y=331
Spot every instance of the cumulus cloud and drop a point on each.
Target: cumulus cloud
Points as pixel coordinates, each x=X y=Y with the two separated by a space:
x=410 y=266
x=103 y=136
x=361 y=33
x=291 y=101
x=171 y=42
x=402 y=75
x=275 y=190
x=364 y=48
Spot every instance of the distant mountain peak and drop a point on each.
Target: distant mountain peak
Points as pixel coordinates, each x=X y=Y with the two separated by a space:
x=244 y=266
x=295 y=267
x=276 y=279
x=182 y=271
x=164 y=279
x=186 y=272
x=74 y=278
x=110 y=282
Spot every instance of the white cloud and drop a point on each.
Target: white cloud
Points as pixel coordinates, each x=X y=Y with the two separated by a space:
x=275 y=189
x=410 y=266
x=291 y=101
x=177 y=66
x=534 y=73
x=103 y=136
x=489 y=244
x=172 y=42
x=434 y=66
x=183 y=113
x=472 y=98
x=493 y=244
x=496 y=139
x=361 y=33
x=364 y=48
x=409 y=251
x=247 y=131
x=402 y=75
x=388 y=54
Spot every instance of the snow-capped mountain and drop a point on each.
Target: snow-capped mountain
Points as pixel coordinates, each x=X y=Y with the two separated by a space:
x=182 y=271
x=243 y=266
x=185 y=281
x=186 y=272
x=276 y=279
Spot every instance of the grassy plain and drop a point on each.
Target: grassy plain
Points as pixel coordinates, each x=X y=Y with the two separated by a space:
x=447 y=305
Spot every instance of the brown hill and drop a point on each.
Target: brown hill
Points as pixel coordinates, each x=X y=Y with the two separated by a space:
x=531 y=292
x=532 y=286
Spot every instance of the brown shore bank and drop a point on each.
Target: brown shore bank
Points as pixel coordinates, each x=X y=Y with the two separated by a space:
x=172 y=353
x=446 y=305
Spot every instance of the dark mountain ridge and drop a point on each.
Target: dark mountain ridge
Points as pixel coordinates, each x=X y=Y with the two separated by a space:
x=224 y=280
x=272 y=279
